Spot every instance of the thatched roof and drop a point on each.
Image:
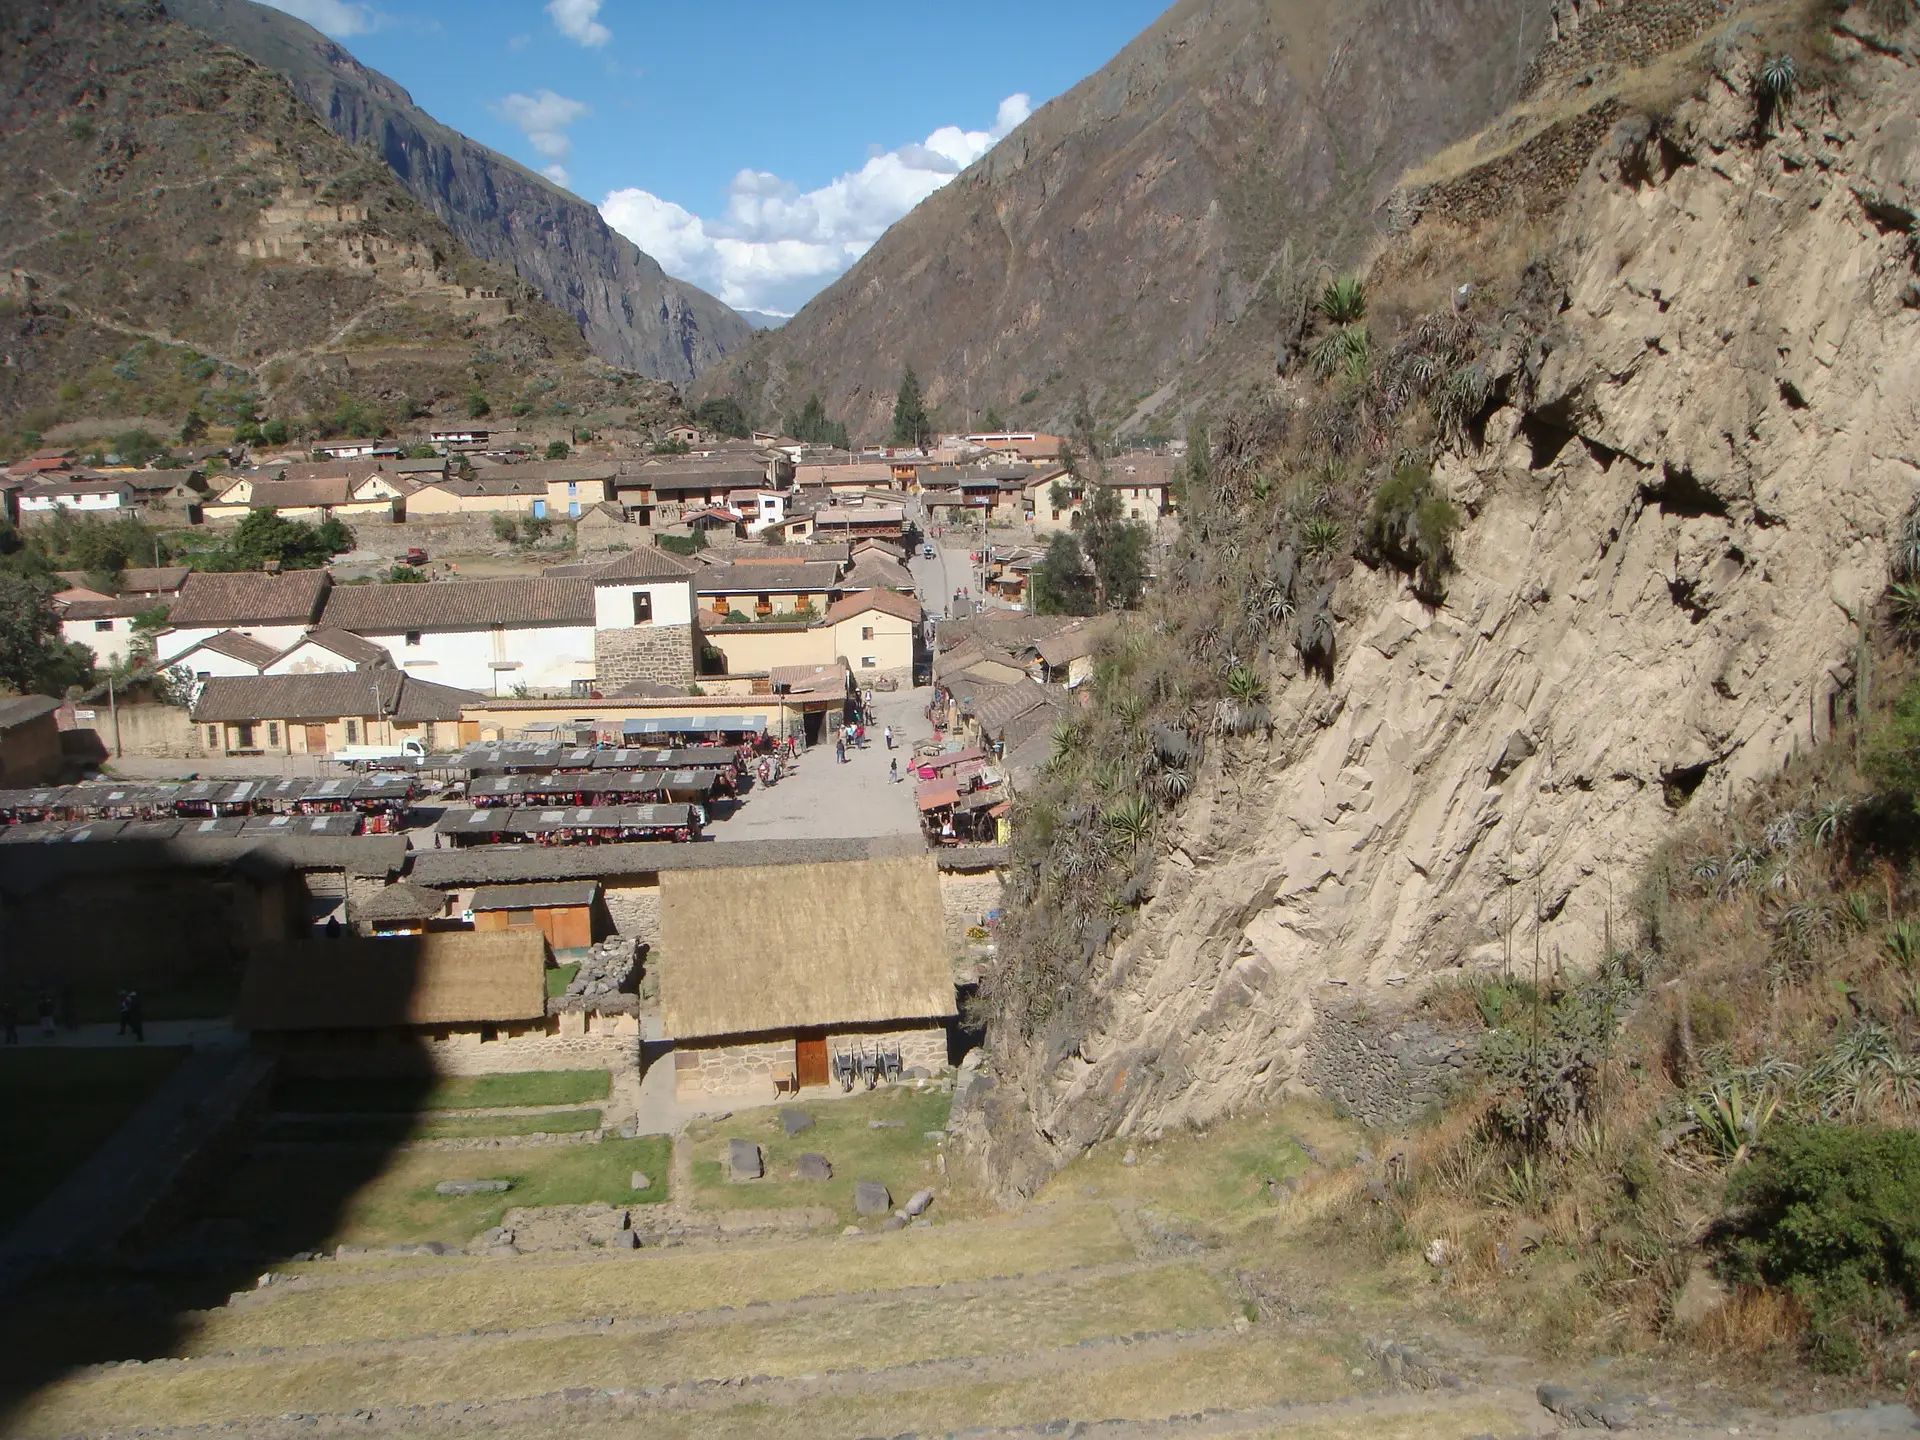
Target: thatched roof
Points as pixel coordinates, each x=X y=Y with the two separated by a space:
x=456 y=977
x=780 y=947
x=403 y=900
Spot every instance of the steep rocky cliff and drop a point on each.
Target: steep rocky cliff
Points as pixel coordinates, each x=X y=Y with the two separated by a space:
x=1135 y=223
x=1669 y=552
x=632 y=313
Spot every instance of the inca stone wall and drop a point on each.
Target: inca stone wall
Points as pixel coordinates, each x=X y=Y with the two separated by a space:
x=1591 y=33
x=965 y=900
x=635 y=910
x=1382 y=1071
x=660 y=653
x=538 y=1046
x=1537 y=175
x=747 y=1067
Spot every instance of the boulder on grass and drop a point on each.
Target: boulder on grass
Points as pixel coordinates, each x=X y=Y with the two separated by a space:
x=870 y=1197
x=917 y=1205
x=743 y=1160
x=815 y=1166
x=794 y=1121
x=473 y=1187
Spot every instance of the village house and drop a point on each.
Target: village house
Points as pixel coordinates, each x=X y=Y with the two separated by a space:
x=603 y=527
x=846 y=478
x=442 y=1002
x=643 y=608
x=40 y=501
x=661 y=494
x=876 y=570
x=498 y=492
x=104 y=626
x=712 y=521
x=157 y=583
x=1144 y=484
x=227 y=652
x=978 y=661
x=770 y=972
x=794 y=529
x=688 y=435
x=862 y=521
x=459 y=435
x=761 y=590
x=571 y=488
x=1044 y=509
x=489 y=636
x=1066 y=657
x=568 y=913
x=317 y=714
x=357 y=449
x=326 y=652
x=275 y=610
x=373 y=496
x=759 y=508
x=877 y=633
x=1015 y=447
x=402 y=908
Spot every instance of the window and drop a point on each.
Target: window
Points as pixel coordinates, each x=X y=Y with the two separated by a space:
x=642 y=607
x=520 y=919
x=868 y=662
x=353 y=732
x=866 y=632
x=273 y=733
x=103 y=625
x=213 y=733
x=246 y=734
x=413 y=637
x=573 y=487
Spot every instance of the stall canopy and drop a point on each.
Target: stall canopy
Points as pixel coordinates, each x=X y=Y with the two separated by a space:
x=932 y=794
x=694 y=724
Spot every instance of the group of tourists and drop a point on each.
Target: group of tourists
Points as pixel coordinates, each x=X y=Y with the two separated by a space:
x=62 y=1011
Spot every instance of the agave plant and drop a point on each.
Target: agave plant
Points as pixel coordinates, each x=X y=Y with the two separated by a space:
x=1344 y=301
x=1129 y=821
x=1522 y=1186
x=1783 y=830
x=1777 y=77
x=1856 y=910
x=1346 y=351
x=1901 y=941
x=1903 y=604
x=1829 y=819
x=1906 y=546
x=1174 y=784
x=1321 y=535
x=1744 y=865
x=1731 y=1120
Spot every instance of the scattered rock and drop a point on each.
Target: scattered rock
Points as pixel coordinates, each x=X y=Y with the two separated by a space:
x=886 y=1124
x=1130 y=1158
x=918 y=1202
x=743 y=1160
x=794 y=1121
x=870 y=1197
x=893 y=1222
x=1698 y=1298
x=923 y=1224
x=971 y=1060
x=853 y=1230
x=815 y=1166
x=1439 y=1253
x=641 y=1180
x=473 y=1187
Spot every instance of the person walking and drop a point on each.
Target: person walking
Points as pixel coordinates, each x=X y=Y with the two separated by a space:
x=122 y=1003
x=887 y=734
x=840 y=749
x=893 y=771
x=134 y=1017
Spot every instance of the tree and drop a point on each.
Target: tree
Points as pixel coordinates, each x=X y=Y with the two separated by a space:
x=275 y=432
x=814 y=426
x=911 y=427
x=558 y=450
x=423 y=452
x=477 y=406
x=1061 y=585
x=1117 y=547
x=193 y=428
x=32 y=658
x=722 y=415
x=267 y=535
x=991 y=423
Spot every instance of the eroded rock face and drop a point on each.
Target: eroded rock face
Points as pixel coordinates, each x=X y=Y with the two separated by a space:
x=1667 y=563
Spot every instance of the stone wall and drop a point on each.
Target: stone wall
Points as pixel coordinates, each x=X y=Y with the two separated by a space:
x=635 y=909
x=536 y=1046
x=965 y=899
x=1535 y=176
x=153 y=730
x=1382 y=1070
x=660 y=653
x=745 y=1065
x=1592 y=33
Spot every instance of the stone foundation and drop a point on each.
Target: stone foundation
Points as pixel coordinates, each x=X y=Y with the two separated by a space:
x=660 y=653
x=588 y=1043
x=635 y=910
x=743 y=1066
x=965 y=899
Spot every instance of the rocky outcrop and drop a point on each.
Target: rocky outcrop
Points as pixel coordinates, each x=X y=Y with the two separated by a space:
x=1135 y=223
x=631 y=312
x=1670 y=554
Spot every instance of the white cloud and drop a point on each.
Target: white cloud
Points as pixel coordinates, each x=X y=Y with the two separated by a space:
x=579 y=21
x=774 y=246
x=338 y=18
x=543 y=118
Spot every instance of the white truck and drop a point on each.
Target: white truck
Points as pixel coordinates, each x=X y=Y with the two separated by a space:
x=410 y=752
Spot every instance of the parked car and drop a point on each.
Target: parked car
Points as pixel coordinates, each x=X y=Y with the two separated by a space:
x=415 y=557
x=370 y=754
x=927 y=551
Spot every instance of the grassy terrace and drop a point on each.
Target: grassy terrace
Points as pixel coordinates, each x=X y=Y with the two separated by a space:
x=896 y=1152
x=387 y=1129
x=463 y=1092
x=56 y=1106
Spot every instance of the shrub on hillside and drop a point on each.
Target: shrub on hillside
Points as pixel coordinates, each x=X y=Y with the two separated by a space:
x=1412 y=525
x=1831 y=1213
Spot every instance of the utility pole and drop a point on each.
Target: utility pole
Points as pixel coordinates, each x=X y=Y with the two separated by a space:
x=113 y=708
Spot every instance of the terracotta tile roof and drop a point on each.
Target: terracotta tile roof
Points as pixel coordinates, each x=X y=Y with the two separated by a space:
x=113 y=607
x=490 y=484
x=327 y=697
x=664 y=479
x=1138 y=470
x=998 y=711
x=152 y=580
x=459 y=605
x=753 y=578
x=215 y=601
x=871 y=572
x=296 y=494
x=344 y=644
x=644 y=562
x=889 y=602
x=18 y=709
x=235 y=646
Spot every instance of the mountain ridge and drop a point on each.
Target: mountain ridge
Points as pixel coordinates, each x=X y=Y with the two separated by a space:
x=632 y=313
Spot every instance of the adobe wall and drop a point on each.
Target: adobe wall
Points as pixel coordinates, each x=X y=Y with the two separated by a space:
x=1382 y=1070
x=161 y=731
x=542 y=1045
x=744 y=1066
x=662 y=654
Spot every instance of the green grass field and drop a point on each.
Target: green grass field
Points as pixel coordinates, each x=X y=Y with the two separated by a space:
x=464 y=1092
x=898 y=1153
x=301 y=1202
x=390 y=1129
x=57 y=1105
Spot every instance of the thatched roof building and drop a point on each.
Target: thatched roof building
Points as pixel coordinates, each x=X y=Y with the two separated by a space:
x=794 y=947
x=450 y=978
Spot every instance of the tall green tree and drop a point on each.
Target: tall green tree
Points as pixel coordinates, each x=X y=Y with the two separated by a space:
x=33 y=659
x=268 y=535
x=1117 y=547
x=722 y=415
x=816 y=427
x=912 y=428
x=1060 y=582
x=991 y=422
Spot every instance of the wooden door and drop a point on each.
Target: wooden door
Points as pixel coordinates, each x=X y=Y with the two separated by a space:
x=316 y=739
x=810 y=1059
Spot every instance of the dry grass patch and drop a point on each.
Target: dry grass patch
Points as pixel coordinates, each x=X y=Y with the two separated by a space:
x=515 y=1294
x=869 y=1335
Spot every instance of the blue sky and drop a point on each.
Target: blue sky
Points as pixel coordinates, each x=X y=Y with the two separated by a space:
x=754 y=147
